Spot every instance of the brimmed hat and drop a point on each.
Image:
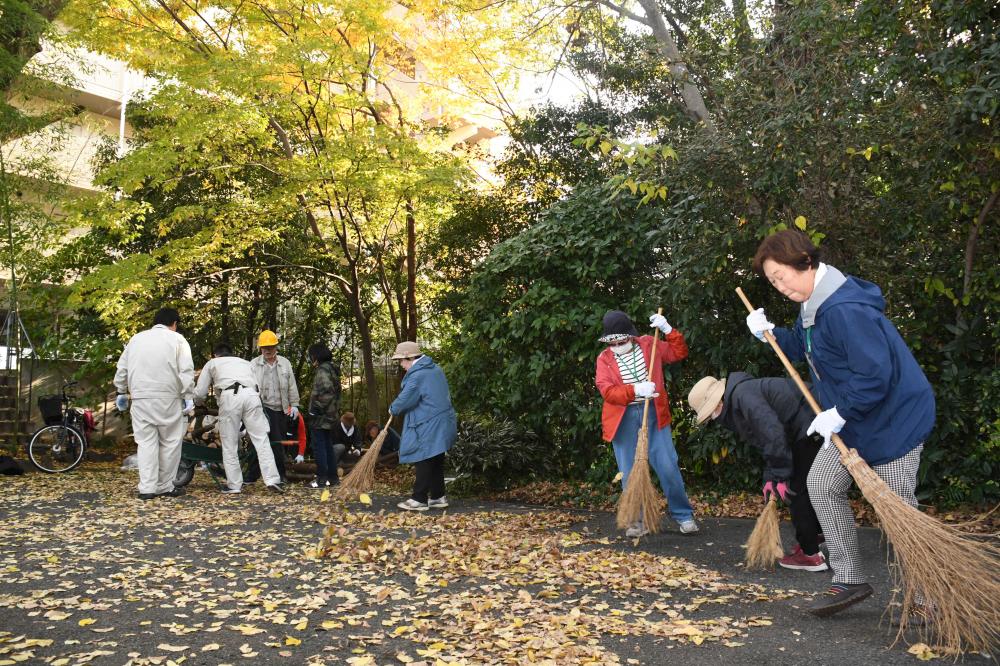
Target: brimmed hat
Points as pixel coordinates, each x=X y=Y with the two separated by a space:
x=408 y=349
x=705 y=396
x=617 y=326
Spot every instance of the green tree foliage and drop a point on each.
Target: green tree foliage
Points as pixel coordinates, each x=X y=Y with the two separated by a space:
x=872 y=126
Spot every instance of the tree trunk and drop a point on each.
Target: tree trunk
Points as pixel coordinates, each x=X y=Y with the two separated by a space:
x=367 y=350
x=411 y=273
x=693 y=100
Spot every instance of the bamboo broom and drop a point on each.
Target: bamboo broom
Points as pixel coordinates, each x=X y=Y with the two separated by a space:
x=937 y=567
x=362 y=477
x=640 y=501
x=764 y=545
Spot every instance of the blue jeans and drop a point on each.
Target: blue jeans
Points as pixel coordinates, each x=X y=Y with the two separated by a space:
x=662 y=457
x=327 y=455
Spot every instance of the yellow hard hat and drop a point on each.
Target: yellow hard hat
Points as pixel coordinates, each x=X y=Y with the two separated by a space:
x=267 y=339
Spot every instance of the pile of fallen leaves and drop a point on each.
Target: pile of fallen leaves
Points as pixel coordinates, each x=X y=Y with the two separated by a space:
x=92 y=574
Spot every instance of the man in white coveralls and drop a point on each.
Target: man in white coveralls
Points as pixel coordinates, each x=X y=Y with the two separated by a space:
x=157 y=372
x=235 y=387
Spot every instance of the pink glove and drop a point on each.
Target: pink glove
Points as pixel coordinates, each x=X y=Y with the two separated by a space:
x=780 y=489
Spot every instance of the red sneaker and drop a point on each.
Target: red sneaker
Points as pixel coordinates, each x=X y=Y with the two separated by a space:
x=799 y=560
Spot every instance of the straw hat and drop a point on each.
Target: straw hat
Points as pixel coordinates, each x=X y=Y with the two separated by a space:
x=405 y=350
x=706 y=396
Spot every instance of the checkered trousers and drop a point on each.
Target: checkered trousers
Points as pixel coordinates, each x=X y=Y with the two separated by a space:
x=829 y=482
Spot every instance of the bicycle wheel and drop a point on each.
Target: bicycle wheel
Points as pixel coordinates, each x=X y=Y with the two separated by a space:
x=56 y=448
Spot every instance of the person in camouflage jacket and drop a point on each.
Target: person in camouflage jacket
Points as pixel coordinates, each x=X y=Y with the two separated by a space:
x=324 y=406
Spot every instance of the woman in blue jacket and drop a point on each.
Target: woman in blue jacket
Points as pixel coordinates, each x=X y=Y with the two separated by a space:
x=865 y=378
x=429 y=428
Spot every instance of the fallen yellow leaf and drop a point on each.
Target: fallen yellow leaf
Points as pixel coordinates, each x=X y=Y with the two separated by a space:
x=171 y=648
x=291 y=640
x=85 y=621
x=365 y=499
x=325 y=497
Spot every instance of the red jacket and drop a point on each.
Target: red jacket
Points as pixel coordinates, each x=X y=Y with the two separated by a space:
x=617 y=395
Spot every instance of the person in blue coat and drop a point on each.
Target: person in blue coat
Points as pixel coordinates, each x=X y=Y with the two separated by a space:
x=868 y=383
x=429 y=428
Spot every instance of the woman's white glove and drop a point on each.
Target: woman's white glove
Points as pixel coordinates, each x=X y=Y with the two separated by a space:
x=757 y=323
x=660 y=322
x=826 y=423
x=299 y=458
x=645 y=389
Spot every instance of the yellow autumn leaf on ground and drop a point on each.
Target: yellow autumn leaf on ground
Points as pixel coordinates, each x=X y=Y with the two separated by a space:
x=302 y=625
x=85 y=621
x=325 y=497
x=171 y=648
x=365 y=499
x=210 y=647
x=291 y=640
x=246 y=629
x=922 y=651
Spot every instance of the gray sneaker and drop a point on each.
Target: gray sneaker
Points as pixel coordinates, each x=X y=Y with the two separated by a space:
x=439 y=503
x=412 y=505
x=226 y=490
x=689 y=526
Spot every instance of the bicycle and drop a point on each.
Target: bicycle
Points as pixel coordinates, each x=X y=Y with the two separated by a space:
x=59 y=445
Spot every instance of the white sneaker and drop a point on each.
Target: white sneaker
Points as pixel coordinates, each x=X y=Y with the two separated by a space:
x=412 y=505
x=226 y=490
x=439 y=503
x=689 y=526
x=637 y=529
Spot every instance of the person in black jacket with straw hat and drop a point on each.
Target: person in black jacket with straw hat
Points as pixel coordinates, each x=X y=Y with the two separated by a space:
x=772 y=415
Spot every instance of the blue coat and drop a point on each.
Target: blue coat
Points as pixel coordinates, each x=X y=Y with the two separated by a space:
x=430 y=424
x=861 y=365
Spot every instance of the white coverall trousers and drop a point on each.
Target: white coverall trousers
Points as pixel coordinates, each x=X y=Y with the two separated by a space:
x=158 y=425
x=244 y=407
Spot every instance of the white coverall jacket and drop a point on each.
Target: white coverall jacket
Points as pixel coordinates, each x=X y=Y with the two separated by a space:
x=276 y=383
x=157 y=370
x=235 y=388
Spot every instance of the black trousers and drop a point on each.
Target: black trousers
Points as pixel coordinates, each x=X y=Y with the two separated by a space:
x=804 y=518
x=277 y=421
x=430 y=479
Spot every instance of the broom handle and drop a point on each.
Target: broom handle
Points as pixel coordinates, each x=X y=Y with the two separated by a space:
x=793 y=373
x=649 y=375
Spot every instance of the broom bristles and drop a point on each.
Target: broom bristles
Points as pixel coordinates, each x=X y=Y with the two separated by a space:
x=362 y=477
x=938 y=568
x=764 y=545
x=640 y=501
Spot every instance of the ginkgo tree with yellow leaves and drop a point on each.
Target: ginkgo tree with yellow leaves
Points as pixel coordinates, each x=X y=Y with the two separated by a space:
x=286 y=138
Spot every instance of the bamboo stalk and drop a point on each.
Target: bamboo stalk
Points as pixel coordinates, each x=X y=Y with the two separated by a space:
x=937 y=568
x=640 y=501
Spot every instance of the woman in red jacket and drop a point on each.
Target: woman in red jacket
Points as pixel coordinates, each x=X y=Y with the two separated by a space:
x=622 y=371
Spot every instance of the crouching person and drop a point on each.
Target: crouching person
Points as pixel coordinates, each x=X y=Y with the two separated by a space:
x=232 y=380
x=772 y=415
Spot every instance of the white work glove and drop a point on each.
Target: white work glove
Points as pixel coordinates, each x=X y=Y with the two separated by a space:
x=826 y=423
x=188 y=406
x=645 y=390
x=757 y=323
x=299 y=458
x=660 y=322
x=121 y=402
x=293 y=412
